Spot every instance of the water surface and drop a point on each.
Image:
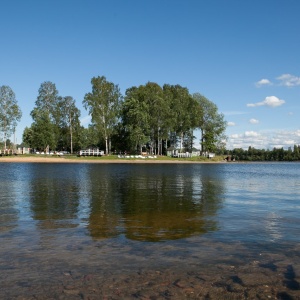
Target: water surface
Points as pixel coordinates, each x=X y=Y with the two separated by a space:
x=117 y=218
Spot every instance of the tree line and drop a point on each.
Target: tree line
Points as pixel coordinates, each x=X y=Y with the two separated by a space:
x=276 y=154
x=147 y=118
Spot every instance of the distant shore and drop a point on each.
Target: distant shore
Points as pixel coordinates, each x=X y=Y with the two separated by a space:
x=66 y=159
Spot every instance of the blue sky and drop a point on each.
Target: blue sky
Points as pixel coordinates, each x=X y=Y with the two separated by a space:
x=242 y=55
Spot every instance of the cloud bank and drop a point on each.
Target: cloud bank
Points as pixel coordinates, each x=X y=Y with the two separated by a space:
x=264 y=140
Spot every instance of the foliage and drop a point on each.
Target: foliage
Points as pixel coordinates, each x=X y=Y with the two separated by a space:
x=154 y=116
x=103 y=104
x=55 y=121
x=69 y=122
x=136 y=118
x=211 y=124
x=43 y=133
x=184 y=112
x=151 y=118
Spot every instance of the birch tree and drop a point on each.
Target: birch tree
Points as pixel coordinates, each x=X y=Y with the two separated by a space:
x=69 y=118
x=10 y=112
x=103 y=104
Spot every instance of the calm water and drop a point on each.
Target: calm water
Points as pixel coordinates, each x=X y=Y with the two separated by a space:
x=56 y=217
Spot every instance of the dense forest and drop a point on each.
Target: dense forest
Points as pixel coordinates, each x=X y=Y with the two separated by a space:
x=147 y=118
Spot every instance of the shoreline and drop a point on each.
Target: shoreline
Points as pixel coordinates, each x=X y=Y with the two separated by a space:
x=103 y=160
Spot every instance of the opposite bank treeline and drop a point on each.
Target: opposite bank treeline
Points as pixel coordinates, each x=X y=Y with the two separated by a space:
x=148 y=118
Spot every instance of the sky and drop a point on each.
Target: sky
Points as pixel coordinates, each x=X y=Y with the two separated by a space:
x=241 y=55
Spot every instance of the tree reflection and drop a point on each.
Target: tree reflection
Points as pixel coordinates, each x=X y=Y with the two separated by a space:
x=9 y=197
x=168 y=207
x=152 y=204
x=54 y=196
x=8 y=211
x=104 y=218
x=145 y=203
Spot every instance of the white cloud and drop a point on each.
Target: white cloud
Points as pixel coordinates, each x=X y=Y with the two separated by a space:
x=263 y=82
x=271 y=101
x=251 y=134
x=264 y=139
x=230 y=123
x=289 y=80
x=253 y=121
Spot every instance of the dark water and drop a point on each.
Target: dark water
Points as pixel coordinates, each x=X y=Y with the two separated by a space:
x=121 y=217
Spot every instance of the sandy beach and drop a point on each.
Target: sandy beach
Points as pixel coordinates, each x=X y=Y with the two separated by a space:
x=51 y=159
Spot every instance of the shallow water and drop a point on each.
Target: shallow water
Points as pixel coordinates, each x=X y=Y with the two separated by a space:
x=62 y=221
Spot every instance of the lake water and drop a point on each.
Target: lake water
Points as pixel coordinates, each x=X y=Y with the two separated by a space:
x=63 y=222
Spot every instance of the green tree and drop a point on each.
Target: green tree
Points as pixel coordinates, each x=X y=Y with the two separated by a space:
x=47 y=103
x=183 y=111
x=69 y=120
x=89 y=136
x=135 y=117
x=10 y=112
x=28 y=136
x=43 y=136
x=103 y=104
x=158 y=110
x=211 y=124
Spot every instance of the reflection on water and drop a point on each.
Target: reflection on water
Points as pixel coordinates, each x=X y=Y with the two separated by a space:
x=149 y=203
x=141 y=202
x=153 y=202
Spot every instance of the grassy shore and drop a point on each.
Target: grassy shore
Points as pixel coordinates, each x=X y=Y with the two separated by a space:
x=104 y=159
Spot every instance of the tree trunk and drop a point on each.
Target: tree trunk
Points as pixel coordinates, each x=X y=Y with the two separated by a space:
x=181 y=141
x=106 y=145
x=71 y=135
x=5 y=136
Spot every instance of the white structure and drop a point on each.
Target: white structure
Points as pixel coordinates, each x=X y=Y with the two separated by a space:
x=91 y=152
x=208 y=154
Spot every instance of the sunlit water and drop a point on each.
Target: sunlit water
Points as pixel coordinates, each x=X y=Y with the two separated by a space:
x=119 y=217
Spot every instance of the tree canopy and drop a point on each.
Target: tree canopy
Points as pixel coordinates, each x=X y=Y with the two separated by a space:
x=55 y=121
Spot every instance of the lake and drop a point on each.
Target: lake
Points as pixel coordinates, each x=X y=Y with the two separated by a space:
x=150 y=231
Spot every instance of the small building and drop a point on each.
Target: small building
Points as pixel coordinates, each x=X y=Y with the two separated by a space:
x=172 y=152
